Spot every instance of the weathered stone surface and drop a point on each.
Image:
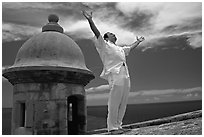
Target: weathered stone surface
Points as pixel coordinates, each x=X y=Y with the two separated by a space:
x=186 y=127
x=182 y=124
x=46 y=110
x=48 y=75
x=44 y=74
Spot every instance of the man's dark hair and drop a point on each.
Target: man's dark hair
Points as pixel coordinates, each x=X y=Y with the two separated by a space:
x=105 y=35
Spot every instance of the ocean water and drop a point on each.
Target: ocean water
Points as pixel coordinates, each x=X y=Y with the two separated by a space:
x=96 y=115
x=141 y=112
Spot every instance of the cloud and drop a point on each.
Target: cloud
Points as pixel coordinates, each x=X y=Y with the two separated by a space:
x=165 y=20
x=195 y=40
x=124 y=36
x=130 y=8
x=14 y=32
x=164 y=14
x=170 y=91
x=4 y=67
x=190 y=90
x=78 y=29
x=156 y=21
x=171 y=14
x=99 y=89
x=192 y=39
x=20 y=5
x=99 y=95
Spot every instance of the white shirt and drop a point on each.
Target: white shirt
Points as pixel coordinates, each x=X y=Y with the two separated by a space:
x=112 y=56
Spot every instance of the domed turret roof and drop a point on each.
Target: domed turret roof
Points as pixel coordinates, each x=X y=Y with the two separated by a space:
x=50 y=48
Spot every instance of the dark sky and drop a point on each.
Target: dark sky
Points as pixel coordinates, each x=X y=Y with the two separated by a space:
x=152 y=69
x=170 y=57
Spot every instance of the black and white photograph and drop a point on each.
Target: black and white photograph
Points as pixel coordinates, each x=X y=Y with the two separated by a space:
x=102 y=68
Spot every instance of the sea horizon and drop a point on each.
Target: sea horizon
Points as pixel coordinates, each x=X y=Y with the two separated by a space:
x=96 y=115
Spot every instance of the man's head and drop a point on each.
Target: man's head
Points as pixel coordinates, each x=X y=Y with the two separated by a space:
x=110 y=37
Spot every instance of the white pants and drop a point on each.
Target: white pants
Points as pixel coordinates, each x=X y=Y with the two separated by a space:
x=119 y=90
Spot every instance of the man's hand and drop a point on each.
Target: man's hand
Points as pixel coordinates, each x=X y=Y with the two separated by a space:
x=87 y=15
x=93 y=27
x=136 y=43
x=140 y=39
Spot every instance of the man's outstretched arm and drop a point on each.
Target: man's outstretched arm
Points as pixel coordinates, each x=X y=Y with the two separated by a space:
x=91 y=23
x=135 y=44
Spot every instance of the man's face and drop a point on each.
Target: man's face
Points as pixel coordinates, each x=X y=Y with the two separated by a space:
x=111 y=37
